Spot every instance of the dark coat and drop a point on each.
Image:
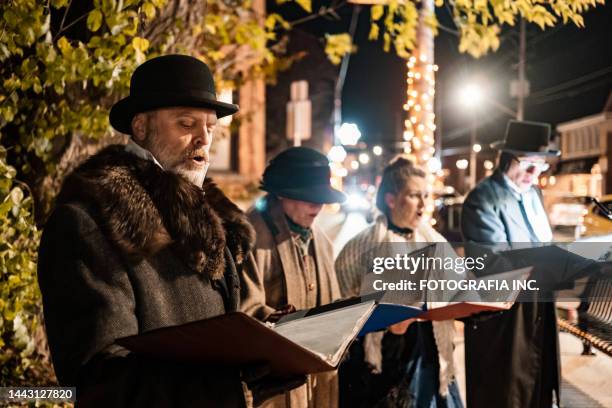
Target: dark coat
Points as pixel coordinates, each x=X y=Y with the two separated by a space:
x=131 y=248
x=511 y=358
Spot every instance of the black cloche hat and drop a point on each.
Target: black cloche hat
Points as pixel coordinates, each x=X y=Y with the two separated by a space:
x=168 y=81
x=300 y=173
x=526 y=139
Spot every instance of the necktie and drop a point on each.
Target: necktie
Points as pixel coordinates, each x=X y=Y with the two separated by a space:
x=532 y=235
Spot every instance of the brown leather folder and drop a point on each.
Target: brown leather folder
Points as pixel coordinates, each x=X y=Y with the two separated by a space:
x=230 y=339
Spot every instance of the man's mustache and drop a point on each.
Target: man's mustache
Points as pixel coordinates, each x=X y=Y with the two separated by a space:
x=198 y=153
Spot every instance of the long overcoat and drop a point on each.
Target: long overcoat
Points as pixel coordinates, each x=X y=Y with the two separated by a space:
x=278 y=281
x=131 y=248
x=512 y=358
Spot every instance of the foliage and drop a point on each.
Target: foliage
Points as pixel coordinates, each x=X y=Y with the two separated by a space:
x=479 y=22
x=61 y=71
x=337 y=45
x=62 y=64
x=21 y=355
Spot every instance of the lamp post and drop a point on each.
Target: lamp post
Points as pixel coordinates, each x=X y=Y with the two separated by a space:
x=471 y=98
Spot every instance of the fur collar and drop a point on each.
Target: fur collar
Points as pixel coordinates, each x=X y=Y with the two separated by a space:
x=143 y=209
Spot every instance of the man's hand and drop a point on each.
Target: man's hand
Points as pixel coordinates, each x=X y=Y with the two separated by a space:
x=263 y=387
x=276 y=316
x=401 y=327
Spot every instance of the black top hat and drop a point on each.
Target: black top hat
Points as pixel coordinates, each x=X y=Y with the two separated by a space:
x=526 y=139
x=168 y=81
x=300 y=173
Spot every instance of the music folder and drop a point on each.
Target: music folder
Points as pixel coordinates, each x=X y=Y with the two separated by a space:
x=306 y=345
x=305 y=342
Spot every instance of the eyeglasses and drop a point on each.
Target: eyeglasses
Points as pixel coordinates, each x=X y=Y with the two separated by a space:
x=527 y=165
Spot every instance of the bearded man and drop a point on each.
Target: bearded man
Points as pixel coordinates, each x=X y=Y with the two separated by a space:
x=138 y=241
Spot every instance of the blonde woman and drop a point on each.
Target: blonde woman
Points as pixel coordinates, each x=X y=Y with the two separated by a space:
x=410 y=364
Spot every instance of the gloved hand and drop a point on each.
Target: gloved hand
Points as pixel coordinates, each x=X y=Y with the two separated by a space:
x=263 y=387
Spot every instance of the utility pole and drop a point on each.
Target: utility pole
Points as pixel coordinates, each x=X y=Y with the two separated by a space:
x=473 y=153
x=337 y=118
x=523 y=86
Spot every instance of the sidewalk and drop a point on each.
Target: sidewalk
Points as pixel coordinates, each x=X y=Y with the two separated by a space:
x=586 y=380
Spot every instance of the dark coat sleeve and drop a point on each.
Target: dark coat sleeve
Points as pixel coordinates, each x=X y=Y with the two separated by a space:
x=88 y=303
x=480 y=218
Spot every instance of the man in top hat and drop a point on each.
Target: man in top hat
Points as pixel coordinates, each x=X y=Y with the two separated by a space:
x=293 y=255
x=139 y=241
x=521 y=345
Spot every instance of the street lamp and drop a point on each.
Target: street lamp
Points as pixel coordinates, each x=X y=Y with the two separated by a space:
x=462 y=164
x=377 y=150
x=364 y=158
x=349 y=134
x=471 y=97
x=337 y=154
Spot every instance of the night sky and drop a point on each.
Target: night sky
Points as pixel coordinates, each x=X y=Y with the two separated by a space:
x=375 y=85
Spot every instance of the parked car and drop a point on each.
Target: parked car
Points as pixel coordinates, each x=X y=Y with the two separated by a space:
x=596 y=221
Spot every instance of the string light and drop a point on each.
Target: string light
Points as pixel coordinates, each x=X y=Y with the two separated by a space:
x=419 y=126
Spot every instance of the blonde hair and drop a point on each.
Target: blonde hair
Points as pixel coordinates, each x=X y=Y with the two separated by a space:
x=394 y=179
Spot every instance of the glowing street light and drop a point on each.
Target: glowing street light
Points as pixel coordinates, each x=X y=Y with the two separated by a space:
x=377 y=150
x=337 y=154
x=349 y=134
x=434 y=164
x=471 y=95
x=364 y=158
x=476 y=147
x=462 y=164
x=354 y=165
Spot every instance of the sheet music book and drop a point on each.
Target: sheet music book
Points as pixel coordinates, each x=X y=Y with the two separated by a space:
x=304 y=342
x=305 y=345
x=386 y=314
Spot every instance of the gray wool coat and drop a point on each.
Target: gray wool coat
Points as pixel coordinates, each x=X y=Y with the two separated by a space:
x=131 y=248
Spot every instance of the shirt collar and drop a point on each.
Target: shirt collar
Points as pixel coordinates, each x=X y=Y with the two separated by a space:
x=513 y=187
x=139 y=151
x=304 y=233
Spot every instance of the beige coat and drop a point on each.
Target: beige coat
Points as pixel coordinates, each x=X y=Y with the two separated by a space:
x=278 y=281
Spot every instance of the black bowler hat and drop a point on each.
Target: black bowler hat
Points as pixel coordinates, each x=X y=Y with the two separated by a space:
x=300 y=173
x=168 y=81
x=526 y=139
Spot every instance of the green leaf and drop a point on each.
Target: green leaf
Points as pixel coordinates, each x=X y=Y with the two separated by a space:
x=373 y=35
x=140 y=44
x=338 y=45
x=94 y=20
x=59 y=3
x=149 y=11
x=305 y=4
x=377 y=12
x=64 y=46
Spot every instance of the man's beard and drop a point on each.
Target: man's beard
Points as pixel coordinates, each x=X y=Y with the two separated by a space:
x=180 y=165
x=194 y=176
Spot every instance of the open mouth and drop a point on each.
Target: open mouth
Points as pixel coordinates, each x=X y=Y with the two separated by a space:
x=419 y=214
x=200 y=159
